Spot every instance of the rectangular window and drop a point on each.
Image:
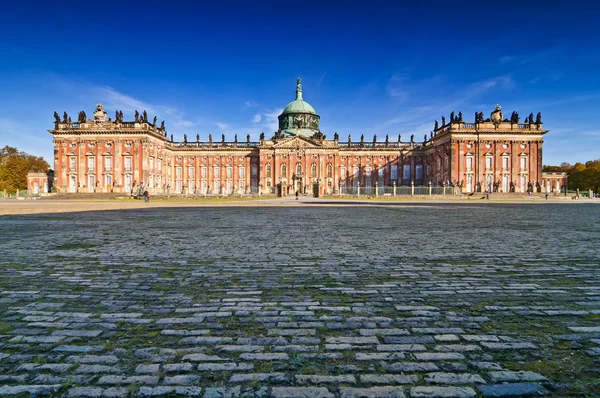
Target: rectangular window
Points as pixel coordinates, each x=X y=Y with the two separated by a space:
x=178 y=172
x=108 y=181
x=91 y=163
x=150 y=163
x=355 y=171
x=469 y=163
x=229 y=172
x=380 y=171
x=419 y=172
x=242 y=172
x=203 y=171
x=505 y=163
x=394 y=172
x=127 y=163
x=523 y=163
x=216 y=171
x=254 y=171
x=343 y=172
x=406 y=175
x=488 y=162
x=159 y=164
x=191 y=171
x=72 y=163
x=108 y=163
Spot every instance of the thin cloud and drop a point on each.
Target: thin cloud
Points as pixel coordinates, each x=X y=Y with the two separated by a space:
x=257 y=118
x=223 y=126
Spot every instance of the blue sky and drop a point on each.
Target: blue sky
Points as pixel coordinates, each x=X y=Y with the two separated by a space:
x=387 y=67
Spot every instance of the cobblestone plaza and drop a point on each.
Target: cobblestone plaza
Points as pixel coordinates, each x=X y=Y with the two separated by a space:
x=387 y=300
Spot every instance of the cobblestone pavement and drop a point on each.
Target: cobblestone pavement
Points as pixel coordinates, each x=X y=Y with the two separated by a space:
x=438 y=300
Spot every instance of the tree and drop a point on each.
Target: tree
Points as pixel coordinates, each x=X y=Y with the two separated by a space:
x=14 y=166
x=581 y=176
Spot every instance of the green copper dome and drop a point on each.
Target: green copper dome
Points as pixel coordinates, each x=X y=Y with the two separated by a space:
x=299 y=117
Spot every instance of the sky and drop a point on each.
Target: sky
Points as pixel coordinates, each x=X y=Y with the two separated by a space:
x=368 y=67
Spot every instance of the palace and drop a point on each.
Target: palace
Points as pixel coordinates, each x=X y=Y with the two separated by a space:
x=100 y=154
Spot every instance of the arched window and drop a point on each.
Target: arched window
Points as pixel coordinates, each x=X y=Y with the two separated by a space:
x=299 y=168
x=268 y=170
x=329 y=171
x=313 y=170
x=283 y=171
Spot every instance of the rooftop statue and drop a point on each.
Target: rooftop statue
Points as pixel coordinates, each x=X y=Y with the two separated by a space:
x=399 y=138
x=65 y=118
x=452 y=117
x=443 y=121
x=436 y=125
x=81 y=117
x=154 y=121
x=185 y=138
x=56 y=118
x=162 y=124
x=387 y=139
x=235 y=138
x=531 y=118
x=538 y=119
x=99 y=114
x=298 y=84
x=460 y=117
x=248 y=138
x=223 y=138
x=137 y=116
x=336 y=136
x=496 y=116
x=262 y=136
x=412 y=138
x=362 y=138
x=374 y=138
x=425 y=139
x=171 y=137
x=197 y=137
x=210 y=138
x=145 y=117
x=349 y=139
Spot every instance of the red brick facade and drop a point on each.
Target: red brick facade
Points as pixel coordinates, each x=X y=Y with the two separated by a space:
x=100 y=155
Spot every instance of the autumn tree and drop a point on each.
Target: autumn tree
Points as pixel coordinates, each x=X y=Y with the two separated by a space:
x=14 y=166
x=581 y=176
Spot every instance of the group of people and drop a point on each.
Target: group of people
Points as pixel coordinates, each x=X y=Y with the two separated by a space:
x=142 y=191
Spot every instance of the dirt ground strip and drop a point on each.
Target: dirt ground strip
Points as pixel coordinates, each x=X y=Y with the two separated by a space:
x=306 y=299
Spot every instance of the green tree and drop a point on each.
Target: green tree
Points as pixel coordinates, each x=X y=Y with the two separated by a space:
x=14 y=166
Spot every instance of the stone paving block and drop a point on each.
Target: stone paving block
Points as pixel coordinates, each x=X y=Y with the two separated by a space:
x=388 y=379
x=401 y=367
x=453 y=378
x=236 y=392
x=32 y=389
x=262 y=377
x=264 y=357
x=442 y=392
x=301 y=392
x=187 y=391
x=509 y=376
x=181 y=380
x=317 y=379
x=373 y=392
x=514 y=390
x=509 y=346
x=439 y=356
x=216 y=367
x=126 y=380
x=87 y=392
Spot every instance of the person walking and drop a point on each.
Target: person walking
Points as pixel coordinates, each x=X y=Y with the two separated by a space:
x=146 y=196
